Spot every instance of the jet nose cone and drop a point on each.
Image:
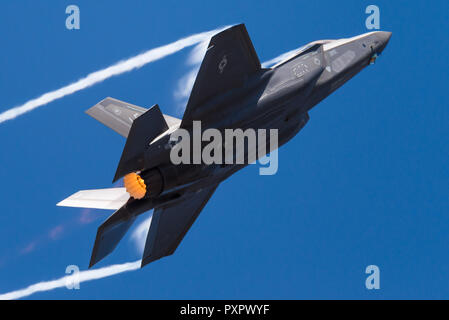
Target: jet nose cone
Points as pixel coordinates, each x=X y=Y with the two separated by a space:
x=384 y=38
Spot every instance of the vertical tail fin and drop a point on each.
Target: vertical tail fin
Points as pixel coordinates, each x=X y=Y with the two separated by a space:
x=110 y=233
x=143 y=130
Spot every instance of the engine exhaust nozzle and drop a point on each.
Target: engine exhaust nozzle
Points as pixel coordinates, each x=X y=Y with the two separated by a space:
x=146 y=184
x=135 y=185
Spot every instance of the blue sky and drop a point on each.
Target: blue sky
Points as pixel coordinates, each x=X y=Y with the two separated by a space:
x=365 y=182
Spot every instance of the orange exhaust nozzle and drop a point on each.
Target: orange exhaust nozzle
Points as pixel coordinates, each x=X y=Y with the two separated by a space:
x=135 y=185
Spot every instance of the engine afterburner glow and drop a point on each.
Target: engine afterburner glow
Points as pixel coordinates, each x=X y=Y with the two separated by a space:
x=135 y=185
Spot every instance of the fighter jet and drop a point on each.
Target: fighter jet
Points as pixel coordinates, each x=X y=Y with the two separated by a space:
x=231 y=90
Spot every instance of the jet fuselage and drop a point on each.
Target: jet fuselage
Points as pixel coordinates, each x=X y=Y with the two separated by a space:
x=274 y=98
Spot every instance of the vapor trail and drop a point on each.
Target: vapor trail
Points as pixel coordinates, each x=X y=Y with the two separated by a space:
x=82 y=276
x=101 y=75
x=281 y=57
x=139 y=234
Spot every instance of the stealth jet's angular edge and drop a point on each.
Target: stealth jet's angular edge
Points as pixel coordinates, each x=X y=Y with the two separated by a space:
x=170 y=224
x=230 y=59
x=110 y=233
x=143 y=130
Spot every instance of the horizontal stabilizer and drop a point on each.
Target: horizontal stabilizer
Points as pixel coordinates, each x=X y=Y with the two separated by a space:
x=112 y=199
x=110 y=233
x=119 y=115
x=116 y=114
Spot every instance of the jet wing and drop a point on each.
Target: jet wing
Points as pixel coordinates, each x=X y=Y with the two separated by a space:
x=229 y=60
x=170 y=224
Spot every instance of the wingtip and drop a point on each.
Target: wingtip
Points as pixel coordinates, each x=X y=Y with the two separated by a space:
x=91 y=110
x=145 y=261
x=92 y=261
x=88 y=111
x=116 y=177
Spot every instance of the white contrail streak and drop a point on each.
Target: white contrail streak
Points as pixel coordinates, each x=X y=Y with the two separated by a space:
x=101 y=75
x=82 y=276
x=139 y=236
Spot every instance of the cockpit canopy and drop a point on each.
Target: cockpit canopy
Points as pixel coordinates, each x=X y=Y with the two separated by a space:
x=313 y=46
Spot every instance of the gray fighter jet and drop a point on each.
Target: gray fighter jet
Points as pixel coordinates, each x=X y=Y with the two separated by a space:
x=231 y=90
